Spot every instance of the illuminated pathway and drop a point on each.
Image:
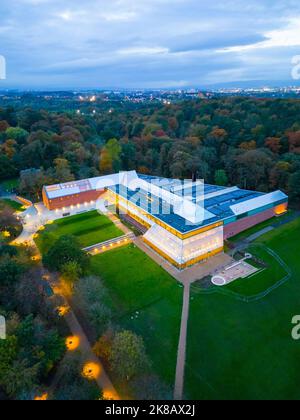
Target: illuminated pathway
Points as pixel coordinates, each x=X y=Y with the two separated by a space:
x=93 y=368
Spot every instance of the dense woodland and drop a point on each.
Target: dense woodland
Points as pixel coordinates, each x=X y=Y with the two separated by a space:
x=249 y=142
x=253 y=143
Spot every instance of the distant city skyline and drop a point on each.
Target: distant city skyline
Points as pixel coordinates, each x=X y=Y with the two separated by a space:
x=149 y=44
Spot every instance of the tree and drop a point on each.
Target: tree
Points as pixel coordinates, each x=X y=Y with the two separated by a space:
x=72 y=386
x=18 y=134
x=279 y=175
x=273 y=143
x=221 y=178
x=52 y=348
x=110 y=157
x=65 y=250
x=20 y=378
x=7 y=167
x=9 y=148
x=8 y=352
x=128 y=357
x=105 y=163
x=29 y=294
x=8 y=250
x=71 y=271
x=294 y=186
x=8 y=221
x=3 y=126
x=294 y=141
x=248 y=145
x=253 y=168
x=62 y=171
x=10 y=271
x=40 y=344
x=91 y=296
x=103 y=347
x=32 y=182
x=114 y=149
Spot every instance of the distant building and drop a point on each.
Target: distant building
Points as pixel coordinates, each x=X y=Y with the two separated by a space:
x=186 y=222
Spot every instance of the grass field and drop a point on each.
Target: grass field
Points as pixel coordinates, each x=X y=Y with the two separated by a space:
x=267 y=277
x=137 y=284
x=239 y=350
x=12 y=204
x=10 y=184
x=89 y=228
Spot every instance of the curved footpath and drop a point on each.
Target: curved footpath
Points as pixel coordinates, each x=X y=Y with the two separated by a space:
x=30 y=226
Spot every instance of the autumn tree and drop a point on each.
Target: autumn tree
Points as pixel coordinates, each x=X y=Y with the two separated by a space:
x=105 y=163
x=273 y=143
x=253 y=168
x=294 y=141
x=62 y=171
x=103 y=347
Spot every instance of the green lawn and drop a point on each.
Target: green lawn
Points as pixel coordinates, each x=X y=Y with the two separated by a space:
x=10 y=184
x=239 y=350
x=12 y=204
x=90 y=228
x=137 y=284
x=274 y=272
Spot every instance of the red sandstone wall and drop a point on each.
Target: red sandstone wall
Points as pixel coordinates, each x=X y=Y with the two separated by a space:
x=72 y=200
x=246 y=223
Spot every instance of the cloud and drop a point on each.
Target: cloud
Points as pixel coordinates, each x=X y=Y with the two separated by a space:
x=151 y=43
x=143 y=51
x=287 y=36
x=119 y=16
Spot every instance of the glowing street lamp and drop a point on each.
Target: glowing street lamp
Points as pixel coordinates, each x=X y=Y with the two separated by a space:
x=43 y=397
x=109 y=396
x=91 y=371
x=72 y=343
x=63 y=310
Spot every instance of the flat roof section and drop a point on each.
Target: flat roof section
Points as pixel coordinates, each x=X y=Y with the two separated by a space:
x=160 y=209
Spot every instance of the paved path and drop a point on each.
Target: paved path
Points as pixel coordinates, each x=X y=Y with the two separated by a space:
x=84 y=347
x=31 y=223
x=262 y=232
x=118 y=223
x=181 y=356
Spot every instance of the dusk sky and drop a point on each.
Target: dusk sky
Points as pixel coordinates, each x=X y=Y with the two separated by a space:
x=147 y=43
